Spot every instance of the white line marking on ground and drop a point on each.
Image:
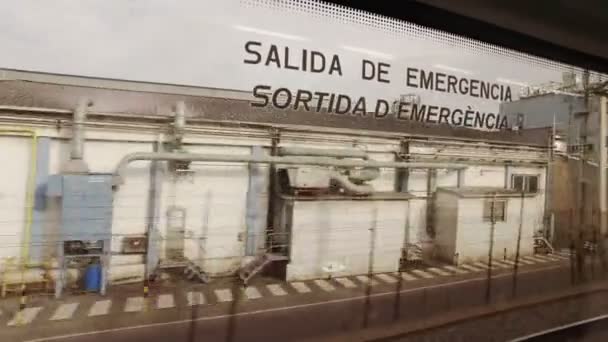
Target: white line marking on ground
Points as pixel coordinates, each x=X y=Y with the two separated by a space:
x=276 y=290
x=165 y=301
x=324 y=285
x=346 y=282
x=472 y=268
x=367 y=280
x=535 y=258
x=565 y=257
x=438 y=271
x=251 y=292
x=481 y=265
x=455 y=269
x=386 y=278
x=64 y=311
x=300 y=287
x=100 y=308
x=195 y=298
x=423 y=274
x=224 y=295
x=552 y=257
x=26 y=316
x=509 y=262
x=134 y=304
x=280 y=309
x=526 y=261
x=500 y=264
x=407 y=276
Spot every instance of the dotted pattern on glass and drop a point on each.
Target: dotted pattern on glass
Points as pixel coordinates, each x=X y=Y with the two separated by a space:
x=349 y=16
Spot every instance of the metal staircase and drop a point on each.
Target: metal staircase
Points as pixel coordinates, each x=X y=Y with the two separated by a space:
x=411 y=256
x=542 y=246
x=276 y=250
x=194 y=272
x=257 y=265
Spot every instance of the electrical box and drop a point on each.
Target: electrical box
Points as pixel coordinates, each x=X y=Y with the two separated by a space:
x=77 y=247
x=86 y=205
x=134 y=245
x=307 y=177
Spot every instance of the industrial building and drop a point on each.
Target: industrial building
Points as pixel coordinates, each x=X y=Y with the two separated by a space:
x=138 y=177
x=572 y=113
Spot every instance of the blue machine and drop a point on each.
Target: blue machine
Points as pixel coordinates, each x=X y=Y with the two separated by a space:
x=92 y=278
x=86 y=224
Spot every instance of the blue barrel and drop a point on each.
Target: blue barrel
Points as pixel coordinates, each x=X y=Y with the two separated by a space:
x=92 y=278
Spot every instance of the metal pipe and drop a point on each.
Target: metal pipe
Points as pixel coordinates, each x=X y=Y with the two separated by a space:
x=513 y=156
x=263 y=159
x=288 y=128
x=475 y=144
x=320 y=152
x=179 y=125
x=80 y=117
x=76 y=163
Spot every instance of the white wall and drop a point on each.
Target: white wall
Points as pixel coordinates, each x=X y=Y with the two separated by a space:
x=446 y=224
x=484 y=176
x=214 y=197
x=473 y=237
x=417 y=214
x=15 y=154
x=535 y=206
x=338 y=232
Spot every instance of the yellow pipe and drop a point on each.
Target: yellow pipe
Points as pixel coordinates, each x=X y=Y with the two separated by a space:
x=31 y=188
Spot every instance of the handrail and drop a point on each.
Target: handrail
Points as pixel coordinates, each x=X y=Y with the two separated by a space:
x=546 y=242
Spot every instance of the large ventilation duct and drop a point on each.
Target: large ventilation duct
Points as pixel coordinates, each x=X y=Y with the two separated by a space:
x=76 y=163
x=363 y=175
x=353 y=176
x=349 y=186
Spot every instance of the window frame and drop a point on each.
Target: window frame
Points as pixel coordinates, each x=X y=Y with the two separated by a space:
x=487 y=206
x=526 y=182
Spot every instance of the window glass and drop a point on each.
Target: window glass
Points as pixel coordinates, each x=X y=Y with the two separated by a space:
x=494 y=210
x=532 y=184
x=518 y=182
x=281 y=142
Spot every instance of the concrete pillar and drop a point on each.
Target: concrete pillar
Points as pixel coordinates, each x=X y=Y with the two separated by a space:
x=37 y=232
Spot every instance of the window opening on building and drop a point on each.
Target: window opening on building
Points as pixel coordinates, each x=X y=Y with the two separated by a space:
x=494 y=210
x=525 y=183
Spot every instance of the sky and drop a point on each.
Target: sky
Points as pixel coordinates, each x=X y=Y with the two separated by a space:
x=130 y=39
x=200 y=42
